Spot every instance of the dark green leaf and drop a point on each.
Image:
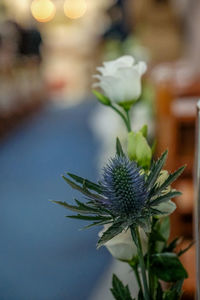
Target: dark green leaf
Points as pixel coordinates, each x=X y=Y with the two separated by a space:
x=89 y=218
x=172 y=245
x=165 y=197
x=81 y=208
x=81 y=189
x=119 y=291
x=155 y=170
x=181 y=252
x=167 y=267
x=175 y=291
x=85 y=182
x=119 y=149
x=116 y=228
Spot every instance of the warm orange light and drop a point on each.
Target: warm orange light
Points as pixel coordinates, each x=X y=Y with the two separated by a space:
x=75 y=9
x=43 y=10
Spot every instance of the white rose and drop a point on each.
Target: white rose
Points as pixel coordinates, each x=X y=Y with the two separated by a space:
x=122 y=246
x=120 y=79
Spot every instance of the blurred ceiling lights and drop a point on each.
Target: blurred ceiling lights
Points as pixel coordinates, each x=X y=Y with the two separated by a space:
x=44 y=10
x=75 y=9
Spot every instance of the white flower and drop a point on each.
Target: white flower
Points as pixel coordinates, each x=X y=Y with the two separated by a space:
x=120 y=79
x=122 y=246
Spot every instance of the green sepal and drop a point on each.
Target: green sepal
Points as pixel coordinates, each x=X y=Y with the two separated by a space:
x=167 y=266
x=101 y=98
x=119 y=291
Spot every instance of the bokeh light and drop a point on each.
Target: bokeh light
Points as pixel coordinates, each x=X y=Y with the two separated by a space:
x=43 y=10
x=75 y=9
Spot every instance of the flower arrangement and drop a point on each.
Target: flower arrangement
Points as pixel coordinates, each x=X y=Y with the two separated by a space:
x=132 y=199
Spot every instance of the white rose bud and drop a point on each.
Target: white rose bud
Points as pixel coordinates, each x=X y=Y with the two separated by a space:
x=122 y=246
x=120 y=79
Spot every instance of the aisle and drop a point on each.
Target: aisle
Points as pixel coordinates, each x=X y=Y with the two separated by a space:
x=43 y=256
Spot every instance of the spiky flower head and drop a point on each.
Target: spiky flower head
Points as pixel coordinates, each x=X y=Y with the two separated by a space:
x=124 y=187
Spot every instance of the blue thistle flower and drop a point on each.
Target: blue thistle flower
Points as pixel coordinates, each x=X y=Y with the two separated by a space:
x=124 y=187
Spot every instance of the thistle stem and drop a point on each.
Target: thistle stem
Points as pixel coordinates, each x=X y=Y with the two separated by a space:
x=136 y=239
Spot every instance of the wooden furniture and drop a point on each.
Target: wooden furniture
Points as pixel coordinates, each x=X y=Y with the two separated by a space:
x=175 y=130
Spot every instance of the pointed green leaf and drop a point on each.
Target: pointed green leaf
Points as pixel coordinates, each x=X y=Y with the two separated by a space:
x=119 y=291
x=85 y=182
x=89 y=218
x=172 y=177
x=181 y=252
x=165 y=197
x=119 y=149
x=81 y=189
x=116 y=228
x=156 y=169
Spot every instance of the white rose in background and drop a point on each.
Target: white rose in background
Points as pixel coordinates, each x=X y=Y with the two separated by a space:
x=120 y=79
x=122 y=246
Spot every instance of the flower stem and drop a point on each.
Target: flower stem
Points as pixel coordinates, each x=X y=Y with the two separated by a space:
x=137 y=276
x=126 y=120
x=136 y=239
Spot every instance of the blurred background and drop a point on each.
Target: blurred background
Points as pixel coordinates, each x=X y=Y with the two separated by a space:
x=50 y=123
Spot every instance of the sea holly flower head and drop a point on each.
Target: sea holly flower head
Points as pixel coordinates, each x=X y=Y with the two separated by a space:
x=120 y=79
x=124 y=187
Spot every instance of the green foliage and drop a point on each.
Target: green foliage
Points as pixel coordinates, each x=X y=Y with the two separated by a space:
x=167 y=267
x=119 y=291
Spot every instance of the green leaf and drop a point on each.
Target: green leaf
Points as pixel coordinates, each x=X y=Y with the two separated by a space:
x=85 y=182
x=167 y=267
x=82 y=208
x=83 y=190
x=89 y=218
x=165 y=197
x=116 y=228
x=155 y=170
x=101 y=98
x=172 y=177
x=119 y=291
x=119 y=149
x=173 y=244
x=181 y=252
